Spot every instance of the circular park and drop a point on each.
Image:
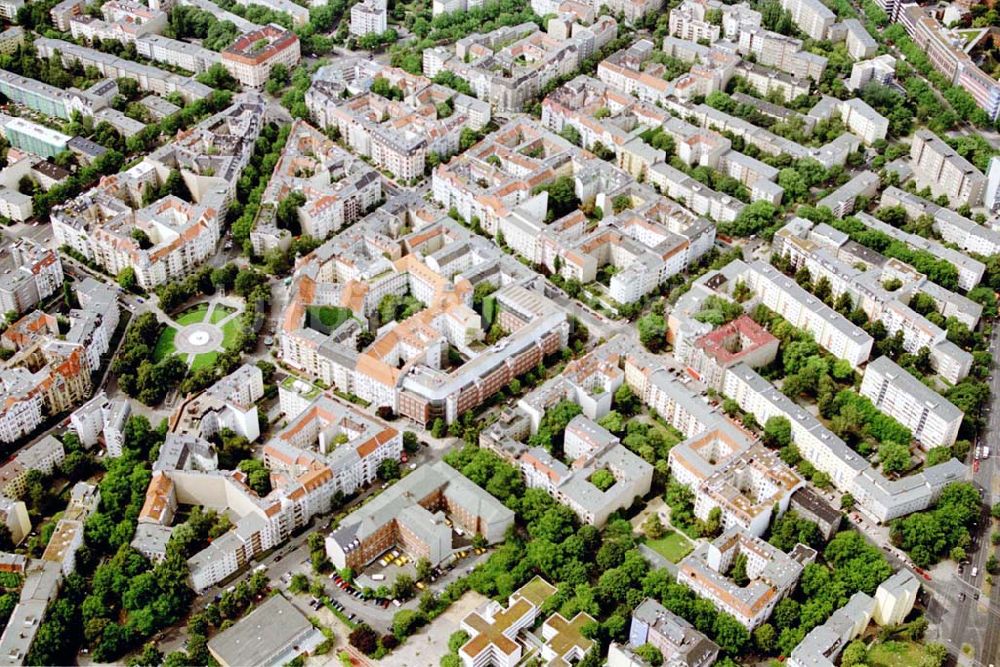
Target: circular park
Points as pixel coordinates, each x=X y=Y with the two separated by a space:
x=199 y=333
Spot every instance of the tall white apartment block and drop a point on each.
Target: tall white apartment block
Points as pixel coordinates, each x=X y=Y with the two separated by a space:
x=369 y=16
x=938 y=165
x=832 y=331
x=933 y=419
x=991 y=198
x=881 y=70
x=860 y=44
x=811 y=16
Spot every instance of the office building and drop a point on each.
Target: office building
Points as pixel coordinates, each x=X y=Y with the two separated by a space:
x=411 y=515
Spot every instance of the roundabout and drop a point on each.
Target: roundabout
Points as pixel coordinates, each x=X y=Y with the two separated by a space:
x=199 y=333
x=198 y=339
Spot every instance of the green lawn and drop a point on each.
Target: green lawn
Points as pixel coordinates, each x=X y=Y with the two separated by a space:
x=165 y=346
x=220 y=313
x=192 y=315
x=895 y=654
x=229 y=332
x=204 y=359
x=673 y=546
x=326 y=319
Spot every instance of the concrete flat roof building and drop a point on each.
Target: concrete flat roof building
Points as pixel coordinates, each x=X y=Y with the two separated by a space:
x=273 y=634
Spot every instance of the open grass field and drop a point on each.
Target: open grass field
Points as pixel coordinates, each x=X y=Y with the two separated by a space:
x=895 y=654
x=220 y=313
x=673 y=546
x=205 y=359
x=165 y=345
x=192 y=315
x=229 y=332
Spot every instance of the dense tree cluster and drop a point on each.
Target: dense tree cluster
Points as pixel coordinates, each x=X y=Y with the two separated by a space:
x=454 y=26
x=253 y=181
x=187 y=22
x=139 y=375
x=939 y=271
x=931 y=535
x=601 y=574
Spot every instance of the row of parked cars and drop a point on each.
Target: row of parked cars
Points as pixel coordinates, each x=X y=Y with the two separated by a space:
x=345 y=586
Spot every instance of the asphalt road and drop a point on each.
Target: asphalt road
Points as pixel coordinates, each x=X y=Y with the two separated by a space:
x=977 y=622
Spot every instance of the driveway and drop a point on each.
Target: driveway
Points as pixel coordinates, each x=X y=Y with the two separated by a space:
x=426 y=648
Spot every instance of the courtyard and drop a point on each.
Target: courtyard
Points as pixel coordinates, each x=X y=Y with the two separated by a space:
x=198 y=333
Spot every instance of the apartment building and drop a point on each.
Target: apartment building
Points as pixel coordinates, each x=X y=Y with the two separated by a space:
x=938 y=165
x=46 y=99
x=589 y=448
x=832 y=331
x=863 y=121
x=48 y=374
x=422 y=391
x=230 y=403
x=860 y=45
x=785 y=53
x=328 y=432
x=528 y=155
x=31 y=273
x=877 y=497
x=124 y=21
x=811 y=16
x=102 y=418
x=772 y=573
x=827 y=253
x=149 y=78
x=739 y=341
x=43 y=456
x=14 y=205
x=824 y=643
x=411 y=515
x=65 y=10
x=933 y=419
x=841 y=201
x=766 y=81
x=369 y=17
x=250 y=58
x=647 y=244
x=511 y=65
x=950 y=59
x=396 y=135
x=261 y=523
x=833 y=153
x=991 y=196
x=725 y=470
x=181 y=235
x=677 y=640
x=185 y=55
x=970 y=270
x=895 y=597
x=339 y=188
x=953 y=228
x=34 y=138
x=881 y=70
x=689 y=22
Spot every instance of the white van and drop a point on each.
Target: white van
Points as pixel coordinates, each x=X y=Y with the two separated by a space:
x=975 y=571
x=378 y=577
